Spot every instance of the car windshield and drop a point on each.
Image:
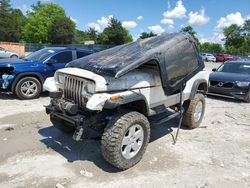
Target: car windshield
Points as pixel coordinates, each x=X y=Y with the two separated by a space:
x=39 y=55
x=235 y=68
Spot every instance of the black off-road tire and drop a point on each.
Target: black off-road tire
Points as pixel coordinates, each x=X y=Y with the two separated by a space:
x=19 y=84
x=188 y=116
x=61 y=125
x=114 y=133
x=14 y=57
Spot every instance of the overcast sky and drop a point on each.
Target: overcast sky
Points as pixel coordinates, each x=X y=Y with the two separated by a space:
x=208 y=17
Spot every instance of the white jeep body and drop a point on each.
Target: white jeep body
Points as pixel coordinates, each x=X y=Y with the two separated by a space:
x=113 y=92
x=145 y=82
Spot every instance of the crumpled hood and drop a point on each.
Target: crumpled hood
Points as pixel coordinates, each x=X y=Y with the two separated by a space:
x=132 y=80
x=224 y=76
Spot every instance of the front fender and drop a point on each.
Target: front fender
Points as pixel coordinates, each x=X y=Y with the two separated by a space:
x=104 y=101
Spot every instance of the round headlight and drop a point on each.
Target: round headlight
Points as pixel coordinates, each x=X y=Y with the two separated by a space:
x=90 y=88
x=60 y=78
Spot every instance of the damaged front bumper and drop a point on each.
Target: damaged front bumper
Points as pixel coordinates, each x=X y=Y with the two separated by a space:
x=235 y=93
x=5 y=82
x=79 y=119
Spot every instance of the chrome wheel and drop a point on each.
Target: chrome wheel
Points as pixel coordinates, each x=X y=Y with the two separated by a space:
x=29 y=88
x=198 y=111
x=132 y=141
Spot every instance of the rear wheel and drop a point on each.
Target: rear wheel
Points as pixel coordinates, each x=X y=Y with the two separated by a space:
x=28 y=88
x=14 y=56
x=195 y=111
x=125 y=139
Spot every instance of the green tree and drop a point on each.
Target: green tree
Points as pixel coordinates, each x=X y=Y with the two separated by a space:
x=81 y=36
x=93 y=34
x=246 y=34
x=61 y=31
x=147 y=35
x=36 y=28
x=11 y=22
x=5 y=11
x=189 y=29
x=17 y=22
x=234 y=39
x=115 y=34
x=211 y=47
x=34 y=8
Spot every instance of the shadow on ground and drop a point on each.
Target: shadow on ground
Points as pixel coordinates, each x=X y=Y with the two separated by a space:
x=10 y=96
x=90 y=149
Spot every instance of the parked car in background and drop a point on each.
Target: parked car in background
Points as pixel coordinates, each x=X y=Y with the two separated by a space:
x=225 y=57
x=231 y=79
x=208 y=57
x=25 y=77
x=7 y=54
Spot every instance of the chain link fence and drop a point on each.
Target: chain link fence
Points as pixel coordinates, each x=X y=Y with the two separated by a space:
x=32 y=47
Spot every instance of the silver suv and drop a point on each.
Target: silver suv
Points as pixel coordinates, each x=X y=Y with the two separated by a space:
x=114 y=92
x=6 y=54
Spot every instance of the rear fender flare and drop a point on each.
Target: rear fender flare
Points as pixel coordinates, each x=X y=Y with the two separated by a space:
x=195 y=87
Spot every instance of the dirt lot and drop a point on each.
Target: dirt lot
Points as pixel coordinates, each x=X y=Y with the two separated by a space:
x=35 y=154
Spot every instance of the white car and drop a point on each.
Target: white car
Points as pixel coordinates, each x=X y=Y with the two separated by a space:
x=7 y=54
x=208 y=57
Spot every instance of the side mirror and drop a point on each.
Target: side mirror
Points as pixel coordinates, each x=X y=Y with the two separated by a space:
x=51 y=61
x=214 y=69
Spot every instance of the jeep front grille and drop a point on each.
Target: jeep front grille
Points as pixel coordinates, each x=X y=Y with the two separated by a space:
x=73 y=89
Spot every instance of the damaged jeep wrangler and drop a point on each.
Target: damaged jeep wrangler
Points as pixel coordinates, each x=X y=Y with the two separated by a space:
x=115 y=91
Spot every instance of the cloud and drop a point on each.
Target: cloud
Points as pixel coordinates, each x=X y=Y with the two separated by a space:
x=157 y=29
x=167 y=21
x=24 y=8
x=198 y=18
x=104 y=21
x=139 y=18
x=129 y=24
x=101 y=23
x=94 y=25
x=178 y=12
x=233 y=18
x=217 y=37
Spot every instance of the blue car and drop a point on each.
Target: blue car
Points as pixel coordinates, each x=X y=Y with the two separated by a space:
x=25 y=77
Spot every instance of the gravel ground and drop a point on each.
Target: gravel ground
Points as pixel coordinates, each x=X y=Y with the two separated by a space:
x=35 y=154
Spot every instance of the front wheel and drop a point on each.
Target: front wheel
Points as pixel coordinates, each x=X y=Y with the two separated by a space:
x=194 y=112
x=28 y=88
x=125 y=139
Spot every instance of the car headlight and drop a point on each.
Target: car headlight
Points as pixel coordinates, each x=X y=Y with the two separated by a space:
x=242 y=84
x=89 y=88
x=60 y=79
